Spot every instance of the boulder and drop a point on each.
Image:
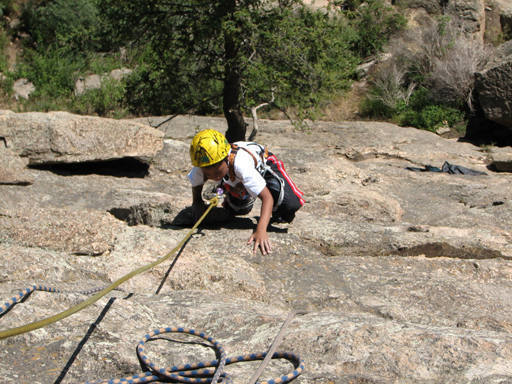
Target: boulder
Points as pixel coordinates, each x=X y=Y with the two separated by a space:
x=119 y=74
x=94 y=81
x=60 y=137
x=87 y=83
x=501 y=159
x=22 y=88
x=13 y=168
x=504 y=9
x=405 y=276
x=493 y=91
x=471 y=14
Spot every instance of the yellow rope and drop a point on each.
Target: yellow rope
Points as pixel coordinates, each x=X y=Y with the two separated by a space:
x=49 y=320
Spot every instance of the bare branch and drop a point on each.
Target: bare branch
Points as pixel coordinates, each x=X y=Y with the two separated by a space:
x=254 y=112
x=208 y=100
x=163 y=121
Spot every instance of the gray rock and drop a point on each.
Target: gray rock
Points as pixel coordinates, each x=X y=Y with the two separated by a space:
x=59 y=137
x=87 y=83
x=495 y=92
x=94 y=81
x=22 y=88
x=76 y=232
x=183 y=127
x=504 y=8
x=493 y=87
x=502 y=159
x=173 y=157
x=119 y=74
x=471 y=13
x=405 y=276
x=13 y=168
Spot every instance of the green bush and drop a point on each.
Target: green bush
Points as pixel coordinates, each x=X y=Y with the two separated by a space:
x=374 y=108
x=7 y=7
x=374 y=22
x=4 y=40
x=67 y=24
x=431 y=117
x=106 y=101
x=52 y=73
x=420 y=111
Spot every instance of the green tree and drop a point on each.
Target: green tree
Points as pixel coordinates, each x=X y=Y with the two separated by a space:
x=232 y=54
x=67 y=25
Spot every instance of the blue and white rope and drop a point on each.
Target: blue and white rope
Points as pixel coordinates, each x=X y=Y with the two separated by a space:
x=200 y=372
x=186 y=373
x=4 y=307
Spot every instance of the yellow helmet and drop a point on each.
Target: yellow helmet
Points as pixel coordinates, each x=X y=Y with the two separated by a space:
x=208 y=147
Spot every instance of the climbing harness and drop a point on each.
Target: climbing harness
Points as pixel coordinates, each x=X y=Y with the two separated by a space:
x=261 y=166
x=201 y=372
x=186 y=373
x=50 y=320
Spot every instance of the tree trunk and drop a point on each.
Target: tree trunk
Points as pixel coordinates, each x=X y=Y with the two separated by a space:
x=231 y=92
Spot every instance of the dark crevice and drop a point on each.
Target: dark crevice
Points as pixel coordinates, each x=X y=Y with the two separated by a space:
x=152 y=214
x=431 y=250
x=2 y=140
x=125 y=167
x=500 y=166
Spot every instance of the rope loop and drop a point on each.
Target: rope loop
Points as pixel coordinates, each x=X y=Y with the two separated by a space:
x=201 y=372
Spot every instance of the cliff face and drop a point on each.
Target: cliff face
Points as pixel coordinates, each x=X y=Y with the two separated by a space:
x=404 y=275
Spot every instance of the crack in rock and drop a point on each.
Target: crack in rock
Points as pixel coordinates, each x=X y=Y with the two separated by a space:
x=442 y=249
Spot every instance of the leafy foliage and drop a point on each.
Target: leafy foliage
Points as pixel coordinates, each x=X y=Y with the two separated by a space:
x=7 y=7
x=375 y=22
x=421 y=110
x=228 y=56
x=192 y=56
x=51 y=72
x=69 y=25
x=105 y=101
x=439 y=64
x=3 y=46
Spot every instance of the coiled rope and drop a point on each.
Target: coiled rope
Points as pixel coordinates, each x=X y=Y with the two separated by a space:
x=187 y=373
x=200 y=372
x=52 y=319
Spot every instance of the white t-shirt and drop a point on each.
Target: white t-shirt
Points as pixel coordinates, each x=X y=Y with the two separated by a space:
x=245 y=171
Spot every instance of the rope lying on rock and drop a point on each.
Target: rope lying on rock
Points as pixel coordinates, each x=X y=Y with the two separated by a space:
x=187 y=373
x=200 y=372
x=49 y=320
x=23 y=294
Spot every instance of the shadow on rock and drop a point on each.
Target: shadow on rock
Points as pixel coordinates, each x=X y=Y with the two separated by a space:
x=217 y=218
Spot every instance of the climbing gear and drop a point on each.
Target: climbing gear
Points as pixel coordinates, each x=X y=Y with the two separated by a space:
x=208 y=147
x=271 y=352
x=293 y=198
x=265 y=170
x=200 y=372
x=187 y=373
x=42 y=323
x=260 y=166
x=23 y=294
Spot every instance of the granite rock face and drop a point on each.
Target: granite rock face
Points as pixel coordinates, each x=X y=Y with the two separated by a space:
x=61 y=137
x=403 y=275
x=493 y=90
